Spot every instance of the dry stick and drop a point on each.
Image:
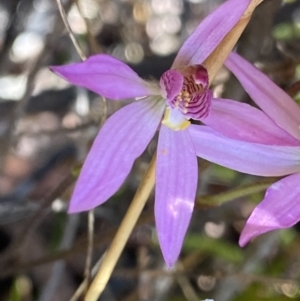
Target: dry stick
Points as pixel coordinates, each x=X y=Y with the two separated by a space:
x=123 y=233
x=94 y=46
x=185 y=285
x=83 y=286
x=213 y=64
x=88 y=263
x=216 y=59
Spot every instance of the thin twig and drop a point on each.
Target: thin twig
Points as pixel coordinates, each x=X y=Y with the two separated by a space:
x=234 y=193
x=94 y=46
x=59 y=267
x=79 y=247
x=89 y=255
x=70 y=32
x=123 y=234
x=185 y=285
x=190 y=272
x=231 y=286
x=36 y=219
x=83 y=286
x=88 y=263
x=87 y=125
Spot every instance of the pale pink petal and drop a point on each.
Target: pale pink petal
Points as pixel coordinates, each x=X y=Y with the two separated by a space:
x=106 y=76
x=241 y=121
x=251 y=158
x=269 y=97
x=176 y=183
x=123 y=138
x=210 y=33
x=279 y=209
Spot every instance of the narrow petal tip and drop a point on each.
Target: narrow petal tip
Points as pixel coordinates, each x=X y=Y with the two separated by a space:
x=211 y=31
x=279 y=209
x=170 y=260
x=176 y=177
x=57 y=71
x=107 y=76
x=245 y=238
x=76 y=205
x=242 y=243
x=251 y=231
x=261 y=220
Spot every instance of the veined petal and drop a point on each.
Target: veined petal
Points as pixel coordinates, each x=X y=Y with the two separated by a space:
x=251 y=158
x=123 y=138
x=241 y=121
x=210 y=33
x=107 y=76
x=279 y=209
x=176 y=183
x=269 y=97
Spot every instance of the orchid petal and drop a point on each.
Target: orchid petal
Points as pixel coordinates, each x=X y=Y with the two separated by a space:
x=279 y=209
x=176 y=175
x=211 y=31
x=269 y=97
x=107 y=76
x=243 y=122
x=122 y=139
x=251 y=158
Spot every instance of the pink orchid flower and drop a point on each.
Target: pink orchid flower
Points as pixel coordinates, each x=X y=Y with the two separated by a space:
x=182 y=94
x=264 y=143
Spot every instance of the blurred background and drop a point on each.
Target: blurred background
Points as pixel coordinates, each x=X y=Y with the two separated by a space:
x=47 y=127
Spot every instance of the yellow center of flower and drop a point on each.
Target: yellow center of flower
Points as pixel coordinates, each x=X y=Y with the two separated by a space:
x=174 y=123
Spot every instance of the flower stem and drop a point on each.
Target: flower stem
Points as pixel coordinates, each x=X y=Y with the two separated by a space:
x=123 y=233
x=217 y=58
